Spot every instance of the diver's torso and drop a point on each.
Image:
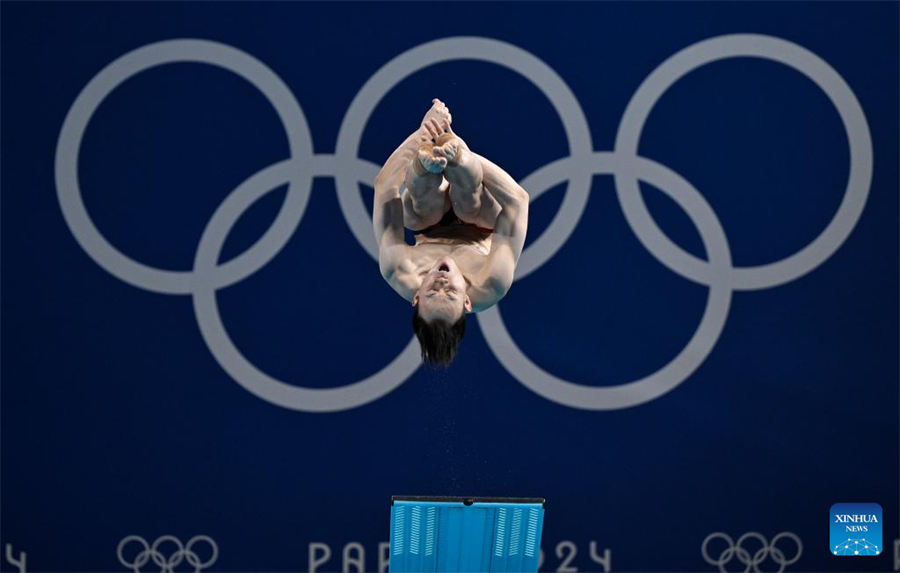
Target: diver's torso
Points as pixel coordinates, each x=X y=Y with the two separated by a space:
x=469 y=258
x=467 y=244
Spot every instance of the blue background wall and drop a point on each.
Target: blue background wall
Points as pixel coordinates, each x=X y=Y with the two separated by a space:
x=117 y=419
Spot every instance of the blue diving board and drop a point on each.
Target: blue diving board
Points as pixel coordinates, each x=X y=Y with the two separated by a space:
x=465 y=534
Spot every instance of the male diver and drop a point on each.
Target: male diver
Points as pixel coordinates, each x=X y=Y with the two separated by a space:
x=469 y=217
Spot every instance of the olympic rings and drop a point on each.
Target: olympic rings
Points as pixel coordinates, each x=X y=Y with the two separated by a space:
x=759 y=556
x=626 y=166
x=167 y=565
x=802 y=60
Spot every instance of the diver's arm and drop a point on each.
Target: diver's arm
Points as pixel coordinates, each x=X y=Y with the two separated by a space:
x=509 y=230
x=393 y=174
x=387 y=211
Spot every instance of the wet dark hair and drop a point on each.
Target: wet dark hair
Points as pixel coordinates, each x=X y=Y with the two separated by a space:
x=439 y=339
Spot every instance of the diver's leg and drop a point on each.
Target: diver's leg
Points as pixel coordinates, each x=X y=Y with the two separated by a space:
x=468 y=197
x=425 y=199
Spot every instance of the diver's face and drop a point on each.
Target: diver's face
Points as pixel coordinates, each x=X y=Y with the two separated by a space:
x=442 y=295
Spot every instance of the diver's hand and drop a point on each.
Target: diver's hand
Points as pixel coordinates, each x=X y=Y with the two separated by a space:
x=436 y=121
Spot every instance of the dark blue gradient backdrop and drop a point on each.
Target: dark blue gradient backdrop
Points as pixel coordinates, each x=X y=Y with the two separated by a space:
x=117 y=419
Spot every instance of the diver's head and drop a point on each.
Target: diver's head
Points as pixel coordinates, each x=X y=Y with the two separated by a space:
x=443 y=294
x=439 y=315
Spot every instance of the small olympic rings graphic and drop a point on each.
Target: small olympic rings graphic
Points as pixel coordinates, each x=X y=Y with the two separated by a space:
x=167 y=565
x=348 y=170
x=752 y=562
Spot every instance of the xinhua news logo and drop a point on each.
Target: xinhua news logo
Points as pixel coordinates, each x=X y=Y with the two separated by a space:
x=855 y=529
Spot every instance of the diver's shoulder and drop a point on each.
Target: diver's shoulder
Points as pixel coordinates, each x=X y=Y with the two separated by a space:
x=488 y=292
x=400 y=271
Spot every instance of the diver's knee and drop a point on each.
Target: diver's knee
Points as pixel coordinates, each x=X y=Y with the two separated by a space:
x=466 y=202
x=418 y=215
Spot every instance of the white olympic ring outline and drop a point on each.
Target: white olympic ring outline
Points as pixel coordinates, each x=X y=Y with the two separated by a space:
x=348 y=170
x=759 y=556
x=184 y=552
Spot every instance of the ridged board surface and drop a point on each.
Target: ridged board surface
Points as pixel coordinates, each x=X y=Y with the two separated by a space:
x=452 y=536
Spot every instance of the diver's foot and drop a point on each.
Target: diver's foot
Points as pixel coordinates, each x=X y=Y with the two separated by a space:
x=451 y=147
x=427 y=161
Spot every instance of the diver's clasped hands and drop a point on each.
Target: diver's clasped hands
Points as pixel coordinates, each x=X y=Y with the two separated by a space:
x=440 y=145
x=437 y=120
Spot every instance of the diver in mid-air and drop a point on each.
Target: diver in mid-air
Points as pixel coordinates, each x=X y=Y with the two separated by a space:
x=469 y=217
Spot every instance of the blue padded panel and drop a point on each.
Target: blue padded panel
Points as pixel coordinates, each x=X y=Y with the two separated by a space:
x=465 y=534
